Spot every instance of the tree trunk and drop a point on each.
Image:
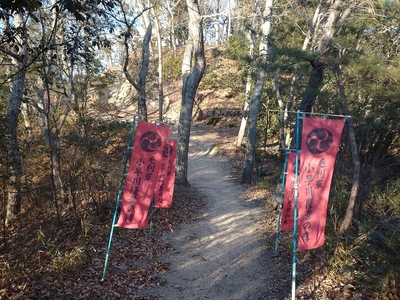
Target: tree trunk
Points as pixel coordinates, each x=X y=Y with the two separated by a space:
x=13 y=109
x=144 y=70
x=160 y=69
x=139 y=86
x=247 y=174
x=313 y=87
x=335 y=18
x=27 y=123
x=354 y=153
x=51 y=138
x=191 y=77
x=243 y=123
x=281 y=112
x=172 y=37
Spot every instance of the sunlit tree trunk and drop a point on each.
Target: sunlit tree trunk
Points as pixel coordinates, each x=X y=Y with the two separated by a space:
x=257 y=94
x=243 y=123
x=171 y=23
x=160 y=68
x=193 y=67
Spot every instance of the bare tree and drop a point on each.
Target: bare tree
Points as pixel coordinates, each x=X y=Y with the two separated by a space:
x=18 y=53
x=160 y=66
x=46 y=103
x=127 y=34
x=193 y=67
x=257 y=93
x=354 y=153
x=243 y=123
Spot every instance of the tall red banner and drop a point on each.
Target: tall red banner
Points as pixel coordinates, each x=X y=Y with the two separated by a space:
x=164 y=190
x=144 y=167
x=319 y=146
x=289 y=192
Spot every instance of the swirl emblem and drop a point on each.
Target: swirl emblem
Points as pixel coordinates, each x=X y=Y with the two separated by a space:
x=319 y=140
x=167 y=150
x=150 y=141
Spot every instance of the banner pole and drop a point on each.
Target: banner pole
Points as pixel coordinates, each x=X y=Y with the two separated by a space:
x=127 y=156
x=151 y=216
x=281 y=199
x=296 y=195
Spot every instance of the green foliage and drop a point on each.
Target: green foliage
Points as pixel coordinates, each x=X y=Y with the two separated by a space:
x=368 y=252
x=64 y=260
x=237 y=47
x=172 y=65
x=104 y=79
x=223 y=74
x=21 y=5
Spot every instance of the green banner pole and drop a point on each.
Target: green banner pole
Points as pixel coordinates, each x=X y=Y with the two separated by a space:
x=121 y=186
x=296 y=195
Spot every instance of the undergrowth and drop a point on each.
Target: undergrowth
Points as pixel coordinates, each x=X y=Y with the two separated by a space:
x=364 y=261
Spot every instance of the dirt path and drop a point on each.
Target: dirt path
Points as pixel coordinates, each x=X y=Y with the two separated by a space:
x=220 y=255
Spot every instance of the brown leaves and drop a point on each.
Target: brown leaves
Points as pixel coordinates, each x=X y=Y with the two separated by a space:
x=50 y=260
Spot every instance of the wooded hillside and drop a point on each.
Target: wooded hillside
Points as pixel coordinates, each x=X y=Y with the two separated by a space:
x=75 y=72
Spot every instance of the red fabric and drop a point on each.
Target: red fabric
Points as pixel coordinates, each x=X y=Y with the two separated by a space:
x=319 y=146
x=142 y=176
x=164 y=190
x=288 y=197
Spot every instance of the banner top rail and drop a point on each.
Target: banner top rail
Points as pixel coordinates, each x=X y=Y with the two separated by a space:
x=303 y=113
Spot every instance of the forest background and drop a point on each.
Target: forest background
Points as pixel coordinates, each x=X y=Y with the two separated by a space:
x=75 y=72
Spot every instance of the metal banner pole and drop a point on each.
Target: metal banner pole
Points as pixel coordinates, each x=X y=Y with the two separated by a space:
x=121 y=187
x=296 y=195
x=281 y=199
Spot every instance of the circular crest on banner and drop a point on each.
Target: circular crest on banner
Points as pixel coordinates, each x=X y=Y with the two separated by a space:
x=150 y=141
x=319 y=140
x=167 y=150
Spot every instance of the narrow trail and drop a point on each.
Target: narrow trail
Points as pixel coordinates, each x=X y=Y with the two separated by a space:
x=220 y=255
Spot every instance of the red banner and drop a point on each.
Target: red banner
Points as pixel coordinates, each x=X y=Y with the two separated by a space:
x=164 y=190
x=319 y=146
x=144 y=166
x=288 y=197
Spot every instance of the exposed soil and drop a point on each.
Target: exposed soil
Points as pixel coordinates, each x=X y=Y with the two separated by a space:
x=221 y=253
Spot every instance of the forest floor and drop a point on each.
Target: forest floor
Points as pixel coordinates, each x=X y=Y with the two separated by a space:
x=216 y=242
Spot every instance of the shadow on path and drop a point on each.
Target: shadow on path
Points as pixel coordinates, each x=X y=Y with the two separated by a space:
x=220 y=255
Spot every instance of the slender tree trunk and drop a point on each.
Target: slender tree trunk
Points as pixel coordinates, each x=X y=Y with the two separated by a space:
x=332 y=25
x=309 y=37
x=160 y=69
x=246 y=106
x=172 y=37
x=191 y=77
x=13 y=109
x=281 y=112
x=247 y=174
x=144 y=70
x=140 y=86
x=354 y=153
x=229 y=29
x=27 y=123
x=52 y=139
x=45 y=110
